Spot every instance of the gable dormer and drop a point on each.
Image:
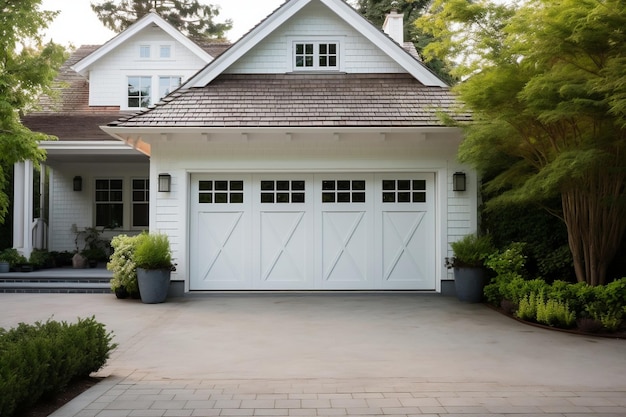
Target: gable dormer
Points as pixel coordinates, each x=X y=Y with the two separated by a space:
x=141 y=65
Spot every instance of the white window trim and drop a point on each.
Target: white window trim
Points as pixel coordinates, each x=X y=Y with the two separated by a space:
x=154 y=86
x=291 y=53
x=155 y=51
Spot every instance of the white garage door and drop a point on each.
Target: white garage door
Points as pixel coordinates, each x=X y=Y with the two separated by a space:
x=310 y=232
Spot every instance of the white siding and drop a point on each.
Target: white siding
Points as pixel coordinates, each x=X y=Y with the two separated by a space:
x=273 y=54
x=108 y=78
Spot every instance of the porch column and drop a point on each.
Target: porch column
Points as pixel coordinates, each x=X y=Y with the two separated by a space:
x=23 y=207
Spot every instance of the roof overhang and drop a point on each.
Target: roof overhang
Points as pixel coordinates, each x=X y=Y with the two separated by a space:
x=91 y=151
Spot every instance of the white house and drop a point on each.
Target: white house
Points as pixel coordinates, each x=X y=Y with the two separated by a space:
x=307 y=156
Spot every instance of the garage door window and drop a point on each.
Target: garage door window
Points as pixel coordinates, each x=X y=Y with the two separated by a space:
x=282 y=191
x=343 y=191
x=220 y=192
x=404 y=191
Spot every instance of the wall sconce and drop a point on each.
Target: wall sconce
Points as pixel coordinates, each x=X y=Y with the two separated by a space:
x=165 y=183
x=459 y=181
x=78 y=183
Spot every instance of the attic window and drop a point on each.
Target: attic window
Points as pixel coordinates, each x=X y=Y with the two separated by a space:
x=316 y=55
x=144 y=51
x=165 y=51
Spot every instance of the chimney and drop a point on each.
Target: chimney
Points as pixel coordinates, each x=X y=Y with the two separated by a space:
x=394 y=25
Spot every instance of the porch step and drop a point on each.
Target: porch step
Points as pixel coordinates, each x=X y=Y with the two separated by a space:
x=57 y=280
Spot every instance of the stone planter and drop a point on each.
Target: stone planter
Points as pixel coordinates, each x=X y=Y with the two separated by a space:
x=469 y=283
x=153 y=284
x=4 y=267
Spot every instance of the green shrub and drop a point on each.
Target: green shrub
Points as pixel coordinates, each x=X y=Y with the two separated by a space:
x=555 y=313
x=40 y=258
x=13 y=257
x=471 y=251
x=153 y=251
x=41 y=359
x=527 y=308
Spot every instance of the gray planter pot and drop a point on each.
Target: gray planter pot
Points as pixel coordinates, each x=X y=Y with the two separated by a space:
x=470 y=283
x=4 y=267
x=153 y=284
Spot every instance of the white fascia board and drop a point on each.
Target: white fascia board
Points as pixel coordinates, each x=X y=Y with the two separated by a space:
x=82 y=66
x=249 y=41
x=94 y=145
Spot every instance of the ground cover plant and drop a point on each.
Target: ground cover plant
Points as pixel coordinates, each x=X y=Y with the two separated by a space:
x=39 y=360
x=561 y=304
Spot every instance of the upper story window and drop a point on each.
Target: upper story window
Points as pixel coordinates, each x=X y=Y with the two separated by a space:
x=316 y=55
x=167 y=85
x=139 y=89
x=144 y=51
x=165 y=51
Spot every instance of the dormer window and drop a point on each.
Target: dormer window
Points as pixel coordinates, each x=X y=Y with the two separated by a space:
x=144 y=51
x=139 y=91
x=316 y=56
x=165 y=51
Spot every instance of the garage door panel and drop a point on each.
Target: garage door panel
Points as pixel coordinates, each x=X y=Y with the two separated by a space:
x=221 y=247
x=344 y=247
x=403 y=246
x=283 y=246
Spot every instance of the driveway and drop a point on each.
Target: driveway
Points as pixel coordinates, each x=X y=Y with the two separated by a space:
x=287 y=345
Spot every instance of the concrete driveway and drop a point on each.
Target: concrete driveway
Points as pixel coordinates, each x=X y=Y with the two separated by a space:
x=288 y=348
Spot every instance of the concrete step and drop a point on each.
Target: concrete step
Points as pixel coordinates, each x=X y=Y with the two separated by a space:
x=57 y=280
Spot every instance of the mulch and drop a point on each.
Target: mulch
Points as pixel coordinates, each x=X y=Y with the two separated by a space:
x=47 y=406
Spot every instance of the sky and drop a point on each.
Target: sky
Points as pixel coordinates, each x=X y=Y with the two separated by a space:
x=78 y=25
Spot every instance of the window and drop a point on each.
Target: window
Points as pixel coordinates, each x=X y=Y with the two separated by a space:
x=282 y=191
x=144 y=51
x=140 y=202
x=220 y=192
x=316 y=55
x=343 y=191
x=139 y=91
x=167 y=85
x=109 y=203
x=165 y=51
x=404 y=191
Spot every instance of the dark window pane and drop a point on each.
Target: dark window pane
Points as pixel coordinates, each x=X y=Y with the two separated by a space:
x=102 y=184
x=102 y=196
x=236 y=185
x=343 y=197
x=206 y=185
x=323 y=61
x=358 y=185
x=139 y=196
x=267 y=197
x=116 y=184
x=308 y=61
x=282 y=197
x=419 y=197
x=299 y=63
x=297 y=185
x=332 y=61
x=404 y=185
x=115 y=196
x=139 y=184
x=328 y=185
x=328 y=197
x=140 y=215
x=323 y=48
x=205 y=198
x=221 y=185
x=299 y=48
x=267 y=185
x=309 y=48
x=133 y=102
x=221 y=198
x=358 y=197
x=332 y=48
x=389 y=185
x=343 y=185
x=419 y=184
x=404 y=197
x=389 y=197
x=297 y=198
x=282 y=185
x=236 y=198
x=109 y=215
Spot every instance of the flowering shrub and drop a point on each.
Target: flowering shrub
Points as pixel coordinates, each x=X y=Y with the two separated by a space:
x=122 y=264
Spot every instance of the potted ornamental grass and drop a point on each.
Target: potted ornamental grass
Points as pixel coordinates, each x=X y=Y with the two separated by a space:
x=153 y=258
x=470 y=274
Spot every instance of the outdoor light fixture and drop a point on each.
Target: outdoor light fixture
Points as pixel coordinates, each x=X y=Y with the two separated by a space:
x=459 y=182
x=165 y=183
x=78 y=183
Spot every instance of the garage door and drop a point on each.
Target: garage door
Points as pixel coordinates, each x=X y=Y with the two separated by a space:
x=312 y=232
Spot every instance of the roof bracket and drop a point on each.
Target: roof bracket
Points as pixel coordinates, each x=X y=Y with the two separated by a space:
x=206 y=136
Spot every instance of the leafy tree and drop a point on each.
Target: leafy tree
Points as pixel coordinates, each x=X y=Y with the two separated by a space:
x=27 y=68
x=545 y=82
x=376 y=10
x=195 y=20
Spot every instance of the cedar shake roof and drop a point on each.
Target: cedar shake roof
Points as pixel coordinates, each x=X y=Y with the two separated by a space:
x=301 y=100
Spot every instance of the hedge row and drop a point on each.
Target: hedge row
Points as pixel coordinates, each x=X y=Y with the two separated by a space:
x=560 y=304
x=37 y=361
